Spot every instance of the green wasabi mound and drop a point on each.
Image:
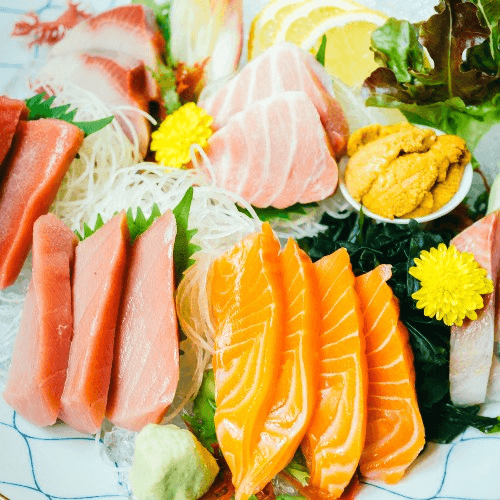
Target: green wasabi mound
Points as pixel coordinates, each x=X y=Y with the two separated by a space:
x=170 y=464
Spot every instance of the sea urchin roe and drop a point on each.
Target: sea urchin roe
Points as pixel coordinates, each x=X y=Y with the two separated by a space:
x=403 y=171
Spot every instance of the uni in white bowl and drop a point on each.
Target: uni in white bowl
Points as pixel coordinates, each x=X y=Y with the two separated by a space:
x=463 y=189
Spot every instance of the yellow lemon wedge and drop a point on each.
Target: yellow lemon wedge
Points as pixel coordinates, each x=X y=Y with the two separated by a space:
x=347 y=25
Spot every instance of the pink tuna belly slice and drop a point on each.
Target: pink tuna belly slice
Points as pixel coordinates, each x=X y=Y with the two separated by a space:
x=39 y=158
x=146 y=362
x=130 y=29
x=471 y=345
x=97 y=284
x=40 y=359
x=284 y=67
x=275 y=153
x=116 y=78
x=11 y=111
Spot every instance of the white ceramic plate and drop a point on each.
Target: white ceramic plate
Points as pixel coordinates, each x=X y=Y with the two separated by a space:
x=58 y=463
x=463 y=190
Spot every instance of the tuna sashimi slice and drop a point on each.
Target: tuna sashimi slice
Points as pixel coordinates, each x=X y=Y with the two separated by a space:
x=11 y=111
x=471 y=345
x=146 y=361
x=130 y=29
x=40 y=155
x=275 y=153
x=40 y=359
x=281 y=68
x=395 y=432
x=296 y=385
x=334 y=440
x=116 y=78
x=247 y=305
x=97 y=284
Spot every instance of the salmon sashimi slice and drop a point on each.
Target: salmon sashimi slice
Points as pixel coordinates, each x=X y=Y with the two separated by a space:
x=116 y=78
x=248 y=313
x=40 y=155
x=285 y=159
x=34 y=388
x=395 y=433
x=130 y=29
x=11 y=111
x=296 y=386
x=472 y=344
x=283 y=67
x=334 y=440
x=97 y=284
x=146 y=361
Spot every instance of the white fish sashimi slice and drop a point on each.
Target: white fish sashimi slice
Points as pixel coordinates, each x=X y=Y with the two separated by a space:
x=131 y=29
x=471 y=353
x=284 y=67
x=275 y=153
x=115 y=77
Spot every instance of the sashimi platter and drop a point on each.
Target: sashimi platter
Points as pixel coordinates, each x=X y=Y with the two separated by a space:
x=249 y=250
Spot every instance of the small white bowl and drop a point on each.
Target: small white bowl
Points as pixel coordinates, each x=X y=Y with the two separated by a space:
x=463 y=189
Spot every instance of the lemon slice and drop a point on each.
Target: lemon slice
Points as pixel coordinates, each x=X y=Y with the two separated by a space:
x=347 y=25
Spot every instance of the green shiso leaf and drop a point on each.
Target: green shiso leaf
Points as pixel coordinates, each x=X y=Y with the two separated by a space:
x=183 y=248
x=270 y=213
x=40 y=107
x=297 y=468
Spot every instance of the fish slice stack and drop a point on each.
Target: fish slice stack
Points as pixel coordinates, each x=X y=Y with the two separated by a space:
x=112 y=56
x=34 y=157
x=308 y=355
x=98 y=335
x=278 y=130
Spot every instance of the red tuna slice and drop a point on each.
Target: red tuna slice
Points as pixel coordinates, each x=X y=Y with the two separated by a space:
x=114 y=77
x=11 y=111
x=471 y=353
x=97 y=285
x=146 y=362
x=275 y=153
x=39 y=157
x=131 y=29
x=40 y=359
x=281 y=68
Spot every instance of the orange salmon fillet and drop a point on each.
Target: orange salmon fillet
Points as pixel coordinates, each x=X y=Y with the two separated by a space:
x=97 y=286
x=11 y=111
x=395 y=432
x=335 y=438
x=34 y=388
x=38 y=159
x=146 y=361
x=248 y=312
x=296 y=386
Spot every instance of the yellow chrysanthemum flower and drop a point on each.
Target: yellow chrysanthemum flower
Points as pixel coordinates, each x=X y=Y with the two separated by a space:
x=184 y=127
x=451 y=284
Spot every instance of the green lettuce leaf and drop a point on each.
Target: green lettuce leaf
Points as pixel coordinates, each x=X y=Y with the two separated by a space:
x=41 y=107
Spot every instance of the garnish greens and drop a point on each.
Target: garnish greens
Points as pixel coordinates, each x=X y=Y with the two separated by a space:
x=270 y=213
x=41 y=107
x=455 y=94
x=370 y=244
x=202 y=422
x=297 y=468
x=183 y=248
x=136 y=226
x=166 y=74
x=320 y=56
